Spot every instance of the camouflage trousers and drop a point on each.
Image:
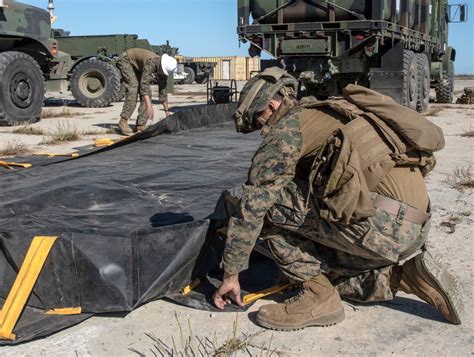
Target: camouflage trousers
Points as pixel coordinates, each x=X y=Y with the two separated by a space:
x=357 y=258
x=131 y=81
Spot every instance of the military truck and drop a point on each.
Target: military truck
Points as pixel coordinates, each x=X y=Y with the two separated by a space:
x=397 y=47
x=29 y=59
x=30 y=63
x=94 y=79
x=197 y=71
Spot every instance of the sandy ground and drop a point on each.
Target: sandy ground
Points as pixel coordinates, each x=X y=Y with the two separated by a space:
x=405 y=326
x=61 y=113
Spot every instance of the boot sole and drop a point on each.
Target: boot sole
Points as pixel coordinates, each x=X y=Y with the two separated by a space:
x=324 y=321
x=446 y=284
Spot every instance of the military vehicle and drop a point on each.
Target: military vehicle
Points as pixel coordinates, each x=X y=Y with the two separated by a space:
x=29 y=59
x=94 y=80
x=397 y=47
x=196 y=71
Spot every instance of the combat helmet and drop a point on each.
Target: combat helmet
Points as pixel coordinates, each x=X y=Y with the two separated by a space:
x=257 y=94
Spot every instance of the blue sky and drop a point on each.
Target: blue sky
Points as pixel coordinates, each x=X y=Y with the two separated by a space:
x=198 y=28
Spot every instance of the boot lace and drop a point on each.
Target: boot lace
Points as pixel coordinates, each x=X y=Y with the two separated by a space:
x=295 y=299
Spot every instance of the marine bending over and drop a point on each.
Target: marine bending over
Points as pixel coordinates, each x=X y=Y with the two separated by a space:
x=139 y=69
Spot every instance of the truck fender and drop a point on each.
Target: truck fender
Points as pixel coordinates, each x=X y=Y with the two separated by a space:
x=85 y=58
x=449 y=55
x=440 y=69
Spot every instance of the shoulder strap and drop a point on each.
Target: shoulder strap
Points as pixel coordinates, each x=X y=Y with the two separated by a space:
x=339 y=105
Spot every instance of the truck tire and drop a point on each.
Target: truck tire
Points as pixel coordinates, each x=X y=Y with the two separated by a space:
x=95 y=83
x=191 y=75
x=121 y=93
x=424 y=80
x=410 y=80
x=445 y=89
x=21 y=88
x=201 y=79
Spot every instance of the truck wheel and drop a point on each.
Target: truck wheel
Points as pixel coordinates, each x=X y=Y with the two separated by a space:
x=201 y=79
x=94 y=83
x=410 y=80
x=424 y=80
x=21 y=88
x=121 y=93
x=191 y=75
x=445 y=89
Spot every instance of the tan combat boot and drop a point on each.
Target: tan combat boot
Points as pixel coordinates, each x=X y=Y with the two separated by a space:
x=140 y=128
x=425 y=276
x=318 y=304
x=124 y=128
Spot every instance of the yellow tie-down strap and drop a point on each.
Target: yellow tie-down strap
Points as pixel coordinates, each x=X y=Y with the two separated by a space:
x=10 y=165
x=103 y=142
x=248 y=299
x=65 y=311
x=50 y=156
x=187 y=289
x=23 y=285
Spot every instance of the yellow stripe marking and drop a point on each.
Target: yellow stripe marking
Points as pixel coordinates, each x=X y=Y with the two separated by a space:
x=23 y=285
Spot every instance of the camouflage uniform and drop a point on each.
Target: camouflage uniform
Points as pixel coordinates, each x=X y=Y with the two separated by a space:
x=357 y=258
x=138 y=82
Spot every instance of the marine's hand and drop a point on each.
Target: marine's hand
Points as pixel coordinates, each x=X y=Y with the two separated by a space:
x=230 y=286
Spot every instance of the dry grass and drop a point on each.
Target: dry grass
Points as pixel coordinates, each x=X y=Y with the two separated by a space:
x=455 y=218
x=461 y=178
x=63 y=132
x=112 y=130
x=14 y=148
x=468 y=134
x=28 y=130
x=92 y=132
x=64 y=113
x=190 y=345
x=434 y=111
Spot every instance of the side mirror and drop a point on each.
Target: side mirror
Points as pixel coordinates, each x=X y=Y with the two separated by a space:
x=463 y=13
x=457 y=13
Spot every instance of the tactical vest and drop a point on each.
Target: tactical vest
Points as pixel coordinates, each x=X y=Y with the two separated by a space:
x=356 y=158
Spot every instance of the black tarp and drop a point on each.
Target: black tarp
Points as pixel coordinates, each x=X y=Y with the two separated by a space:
x=132 y=218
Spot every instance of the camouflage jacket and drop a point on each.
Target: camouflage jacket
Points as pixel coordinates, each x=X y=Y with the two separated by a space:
x=273 y=168
x=148 y=77
x=147 y=65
